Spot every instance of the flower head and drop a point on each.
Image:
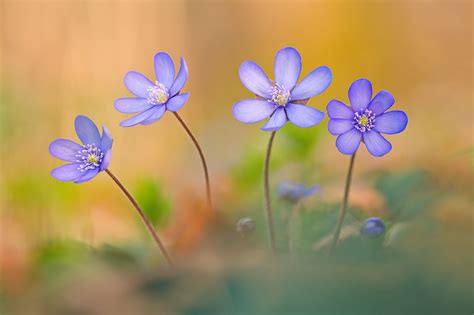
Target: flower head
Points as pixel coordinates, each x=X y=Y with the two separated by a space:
x=373 y=227
x=154 y=98
x=293 y=192
x=282 y=99
x=365 y=120
x=86 y=159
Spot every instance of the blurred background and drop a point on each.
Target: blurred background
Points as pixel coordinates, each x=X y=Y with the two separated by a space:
x=64 y=58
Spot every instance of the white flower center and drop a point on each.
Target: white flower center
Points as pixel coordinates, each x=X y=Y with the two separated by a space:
x=280 y=95
x=157 y=94
x=364 y=120
x=90 y=157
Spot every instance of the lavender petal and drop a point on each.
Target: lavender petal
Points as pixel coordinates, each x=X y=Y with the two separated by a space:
x=131 y=105
x=86 y=130
x=158 y=112
x=254 y=79
x=180 y=80
x=106 y=142
x=88 y=175
x=106 y=160
x=381 y=102
x=340 y=126
x=67 y=172
x=64 y=149
x=137 y=119
x=391 y=122
x=360 y=94
x=339 y=110
x=376 y=144
x=176 y=102
x=252 y=110
x=276 y=121
x=137 y=83
x=287 y=67
x=303 y=116
x=164 y=69
x=315 y=83
x=349 y=142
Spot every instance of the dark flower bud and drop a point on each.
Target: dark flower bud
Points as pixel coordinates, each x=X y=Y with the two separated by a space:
x=246 y=226
x=373 y=227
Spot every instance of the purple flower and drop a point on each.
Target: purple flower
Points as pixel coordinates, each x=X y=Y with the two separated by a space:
x=153 y=99
x=86 y=160
x=294 y=192
x=281 y=99
x=365 y=120
x=373 y=227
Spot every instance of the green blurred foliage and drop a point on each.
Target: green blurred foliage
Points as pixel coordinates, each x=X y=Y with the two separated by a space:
x=54 y=258
x=470 y=154
x=125 y=255
x=152 y=199
x=248 y=172
x=291 y=144
x=313 y=224
x=362 y=276
x=407 y=193
x=299 y=143
x=3 y=304
x=28 y=191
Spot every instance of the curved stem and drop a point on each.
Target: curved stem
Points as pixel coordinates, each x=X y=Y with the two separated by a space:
x=143 y=217
x=268 y=206
x=342 y=214
x=201 y=155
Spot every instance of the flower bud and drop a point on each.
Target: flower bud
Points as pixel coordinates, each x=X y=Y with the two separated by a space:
x=293 y=192
x=246 y=226
x=373 y=227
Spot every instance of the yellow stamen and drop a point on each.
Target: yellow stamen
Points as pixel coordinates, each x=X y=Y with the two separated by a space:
x=161 y=97
x=93 y=159
x=281 y=99
x=363 y=120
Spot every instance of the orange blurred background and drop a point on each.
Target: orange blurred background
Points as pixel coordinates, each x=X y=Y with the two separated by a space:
x=64 y=58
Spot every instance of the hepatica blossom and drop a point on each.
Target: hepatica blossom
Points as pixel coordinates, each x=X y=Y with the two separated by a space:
x=153 y=99
x=86 y=160
x=365 y=120
x=281 y=99
x=293 y=192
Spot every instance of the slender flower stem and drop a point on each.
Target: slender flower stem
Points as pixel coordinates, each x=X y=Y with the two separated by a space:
x=201 y=155
x=268 y=206
x=342 y=214
x=143 y=217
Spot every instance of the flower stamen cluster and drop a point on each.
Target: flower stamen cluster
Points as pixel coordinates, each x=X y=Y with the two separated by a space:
x=364 y=120
x=90 y=157
x=157 y=94
x=280 y=95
